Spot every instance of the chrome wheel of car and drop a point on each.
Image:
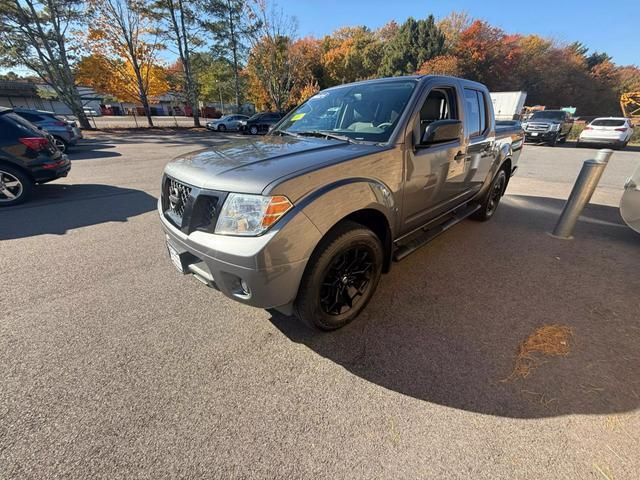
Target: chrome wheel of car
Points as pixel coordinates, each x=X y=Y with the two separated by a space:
x=253 y=130
x=60 y=144
x=11 y=187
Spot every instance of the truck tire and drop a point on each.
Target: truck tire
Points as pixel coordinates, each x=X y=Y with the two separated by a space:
x=14 y=183
x=340 y=278
x=490 y=202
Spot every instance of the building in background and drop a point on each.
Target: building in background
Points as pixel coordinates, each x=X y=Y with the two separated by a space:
x=39 y=96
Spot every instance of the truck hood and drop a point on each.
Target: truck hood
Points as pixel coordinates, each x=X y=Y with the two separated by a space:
x=249 y=166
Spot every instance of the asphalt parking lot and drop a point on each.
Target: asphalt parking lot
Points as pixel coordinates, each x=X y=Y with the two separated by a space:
x=112 y=365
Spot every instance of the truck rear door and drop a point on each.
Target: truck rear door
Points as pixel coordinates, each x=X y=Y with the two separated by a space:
x=480 y=132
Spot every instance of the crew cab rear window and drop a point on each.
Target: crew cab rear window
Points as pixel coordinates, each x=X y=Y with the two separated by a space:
x=475 y=112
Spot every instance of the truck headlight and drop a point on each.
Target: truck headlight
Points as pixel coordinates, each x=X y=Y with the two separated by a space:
x=555 y=127
x=250 y=215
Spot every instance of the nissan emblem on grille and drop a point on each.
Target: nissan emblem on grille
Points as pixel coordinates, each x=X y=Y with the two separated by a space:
x=177 y=195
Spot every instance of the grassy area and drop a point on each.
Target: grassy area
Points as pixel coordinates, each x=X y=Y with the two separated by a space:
x=578 y=127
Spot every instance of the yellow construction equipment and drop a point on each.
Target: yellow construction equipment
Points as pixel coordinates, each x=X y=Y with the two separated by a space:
x=630 y=105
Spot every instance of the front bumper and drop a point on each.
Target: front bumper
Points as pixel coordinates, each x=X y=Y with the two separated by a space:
x=540 y=137
x=263 y=271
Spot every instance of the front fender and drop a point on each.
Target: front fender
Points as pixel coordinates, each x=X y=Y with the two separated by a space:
x=327 y=206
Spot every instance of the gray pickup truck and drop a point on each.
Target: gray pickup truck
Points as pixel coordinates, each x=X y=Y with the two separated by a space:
x=306 y=219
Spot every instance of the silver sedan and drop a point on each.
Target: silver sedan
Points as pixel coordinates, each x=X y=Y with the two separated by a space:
x=228 y=122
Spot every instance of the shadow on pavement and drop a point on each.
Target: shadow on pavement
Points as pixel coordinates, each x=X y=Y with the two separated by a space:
x=92 y=149
x=445 y=325
x=57 y=208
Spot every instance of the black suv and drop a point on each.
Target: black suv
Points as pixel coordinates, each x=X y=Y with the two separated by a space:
x=28 y=156
x=548 y=126
x=261 y=122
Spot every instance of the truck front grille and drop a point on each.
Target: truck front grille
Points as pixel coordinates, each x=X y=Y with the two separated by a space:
x=190 y=208
x=537 y=127
x=177 y=195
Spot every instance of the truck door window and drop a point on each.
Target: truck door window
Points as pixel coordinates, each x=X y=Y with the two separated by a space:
x=439 y=105
x=475 y=112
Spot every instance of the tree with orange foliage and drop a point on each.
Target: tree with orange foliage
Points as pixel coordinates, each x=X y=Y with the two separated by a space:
x=441 y=65
x=488 y=55
x=350 y=54
x=117 y=78
x=124 y=34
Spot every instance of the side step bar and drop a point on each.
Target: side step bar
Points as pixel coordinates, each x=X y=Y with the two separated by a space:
x=425 y=236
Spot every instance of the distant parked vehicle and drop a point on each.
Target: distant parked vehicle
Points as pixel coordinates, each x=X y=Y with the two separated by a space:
x=28 y=156
x=90 y=112
x=548 y=126
x=613 y=131
x=261 y=122
x=508 y=105
x=65 y=133
x=228 y=122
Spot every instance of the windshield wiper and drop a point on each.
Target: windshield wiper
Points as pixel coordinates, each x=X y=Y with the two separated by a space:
x=284 y=132
x=327 y=135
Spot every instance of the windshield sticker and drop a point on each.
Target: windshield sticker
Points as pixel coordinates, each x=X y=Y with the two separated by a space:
x=297 y=117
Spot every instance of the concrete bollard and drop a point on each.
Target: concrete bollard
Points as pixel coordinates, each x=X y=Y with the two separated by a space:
x=583 y=189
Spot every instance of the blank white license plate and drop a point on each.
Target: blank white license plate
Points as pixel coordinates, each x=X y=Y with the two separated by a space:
x=534 y=134
x=175 y=257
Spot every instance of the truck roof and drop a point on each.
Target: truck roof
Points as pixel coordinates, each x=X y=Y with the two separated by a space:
x=417 y=78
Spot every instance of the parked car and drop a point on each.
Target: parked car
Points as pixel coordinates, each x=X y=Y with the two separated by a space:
x=65 y=133
x=613 y=131
x=228 y=122
x=28 y=156
x=548 y=126
x=91 y=112
x=261 y=122
x=305 y=219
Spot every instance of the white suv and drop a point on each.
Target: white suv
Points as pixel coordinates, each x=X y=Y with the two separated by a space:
x=614 y=131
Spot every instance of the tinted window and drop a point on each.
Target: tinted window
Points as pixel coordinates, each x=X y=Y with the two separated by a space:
x=483 y=111
x=609 y=122
x=549 y=114
x=18 y=126
x=473 y=117
x=30 y=116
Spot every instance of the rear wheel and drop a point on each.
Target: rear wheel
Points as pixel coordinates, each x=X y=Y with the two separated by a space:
x=61 y=144
x=492 y=198
x=15 y=186
x=341 y=277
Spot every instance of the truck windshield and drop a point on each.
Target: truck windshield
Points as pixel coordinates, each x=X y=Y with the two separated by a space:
x=366 y=112
x=548 y=114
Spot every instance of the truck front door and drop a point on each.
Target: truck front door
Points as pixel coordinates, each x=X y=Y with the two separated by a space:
x=434 y=174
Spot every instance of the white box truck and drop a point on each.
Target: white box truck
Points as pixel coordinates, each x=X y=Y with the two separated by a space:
x=508 y=105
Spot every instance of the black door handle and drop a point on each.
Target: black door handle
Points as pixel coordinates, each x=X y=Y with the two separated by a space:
x=460 y=156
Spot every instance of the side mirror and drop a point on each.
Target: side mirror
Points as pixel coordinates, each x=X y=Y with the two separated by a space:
x=441 y=131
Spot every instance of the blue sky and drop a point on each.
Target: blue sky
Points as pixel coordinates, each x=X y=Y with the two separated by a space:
x=601 y=25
